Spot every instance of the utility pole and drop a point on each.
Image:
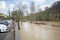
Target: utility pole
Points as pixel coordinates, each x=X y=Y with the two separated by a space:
x=9 y=12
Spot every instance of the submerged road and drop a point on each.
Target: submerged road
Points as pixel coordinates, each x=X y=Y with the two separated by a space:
x=31 y=31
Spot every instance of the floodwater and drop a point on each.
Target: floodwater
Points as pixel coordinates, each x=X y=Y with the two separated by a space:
x=39 y=32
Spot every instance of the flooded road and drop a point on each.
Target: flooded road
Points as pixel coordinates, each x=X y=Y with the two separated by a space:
x=39 y=32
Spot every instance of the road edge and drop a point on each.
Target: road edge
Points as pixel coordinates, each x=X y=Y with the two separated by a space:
x=17 y=34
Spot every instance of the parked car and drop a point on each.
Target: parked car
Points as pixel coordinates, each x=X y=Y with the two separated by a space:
x=10 y=23
x=3 y=26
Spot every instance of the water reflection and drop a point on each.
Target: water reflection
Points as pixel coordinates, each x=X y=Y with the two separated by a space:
x=27 y=27
x=34 y=32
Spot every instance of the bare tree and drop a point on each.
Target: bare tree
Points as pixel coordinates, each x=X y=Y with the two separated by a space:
x=32 y=7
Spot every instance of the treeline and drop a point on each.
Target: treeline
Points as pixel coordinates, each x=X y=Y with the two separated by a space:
x=50 y=14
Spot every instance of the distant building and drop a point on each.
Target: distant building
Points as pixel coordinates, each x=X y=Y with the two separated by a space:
x=3 y=15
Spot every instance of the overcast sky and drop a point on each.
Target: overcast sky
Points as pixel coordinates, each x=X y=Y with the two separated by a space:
x=5 y=4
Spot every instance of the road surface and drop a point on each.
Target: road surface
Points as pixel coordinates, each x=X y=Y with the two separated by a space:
x=31 y=31
x=7 y=36
x=2 y=36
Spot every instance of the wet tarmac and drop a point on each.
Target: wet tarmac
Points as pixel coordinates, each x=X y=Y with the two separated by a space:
x=2 y=36
x=7 y=36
